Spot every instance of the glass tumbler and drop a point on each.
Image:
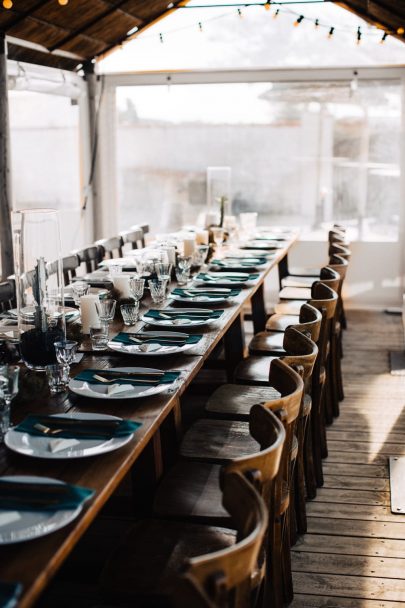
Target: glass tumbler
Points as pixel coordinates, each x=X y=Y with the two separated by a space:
x=158 y=290
x=129 y=313
x=99 y=337
x=58 y=377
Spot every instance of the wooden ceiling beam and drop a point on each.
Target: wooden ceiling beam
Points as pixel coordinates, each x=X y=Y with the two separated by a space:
x=383 y=22
x=109 y=11
x=24 y=15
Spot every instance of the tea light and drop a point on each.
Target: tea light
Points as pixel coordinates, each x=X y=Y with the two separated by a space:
x=121 y=284
x=89 y=312
x=201 y=237
x=189 y=245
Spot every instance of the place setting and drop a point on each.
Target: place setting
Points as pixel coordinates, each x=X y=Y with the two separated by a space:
x=198 y=295
x=153 y=343
x=237 y=279
x=234 y=263
x=181 y=317
x=33 y=506
x=124 y=382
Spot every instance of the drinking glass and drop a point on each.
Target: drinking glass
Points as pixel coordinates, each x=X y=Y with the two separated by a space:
x=182 y=276
x=137 y=287
x=99 y=337
x=65 y=351
x=129 y=313
x=163 y=271
x=106 y=311
x=218 y=236
x=114 y=269
x=158 y=290
x=79 y=288
x=9 y=375
x=231 y=226
x=202 y=253
x=184 y=262
x=58 y=377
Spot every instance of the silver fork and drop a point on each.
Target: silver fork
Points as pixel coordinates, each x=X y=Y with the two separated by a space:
x=106 y=381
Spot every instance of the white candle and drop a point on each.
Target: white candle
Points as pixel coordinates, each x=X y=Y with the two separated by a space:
x=121 y=284
x=201 y=237
x=171 y=254
x=189 y=245
x=89 y=312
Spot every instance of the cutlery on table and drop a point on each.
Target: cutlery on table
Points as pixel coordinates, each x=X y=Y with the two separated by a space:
x=130 y=375
x=133 y=380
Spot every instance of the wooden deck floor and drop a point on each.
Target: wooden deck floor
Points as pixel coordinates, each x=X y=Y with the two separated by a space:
x=354 y=552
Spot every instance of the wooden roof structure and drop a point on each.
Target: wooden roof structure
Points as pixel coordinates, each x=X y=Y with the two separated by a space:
x=44 y=32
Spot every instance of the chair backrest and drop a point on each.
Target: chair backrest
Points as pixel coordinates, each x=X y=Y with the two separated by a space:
x=134 y=237
x=309 y=321
x=145 y=229
x=326 y=301
x=70 y=264
x=7 y=295
x=111 y=248
x=91 y=256
x=336 y=236
x=290 y=385
x=224 y=577
x=301 y=351
x=330 y=277
x=341 y=250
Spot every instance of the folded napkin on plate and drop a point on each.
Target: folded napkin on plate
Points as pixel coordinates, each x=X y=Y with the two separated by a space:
x=74 y=428
x=9 y=594
x=87 y=375
x=185 y=293
x=229 y=262
x=125 y=338
x=34 y=496
x=203 y=276
x=157 y=314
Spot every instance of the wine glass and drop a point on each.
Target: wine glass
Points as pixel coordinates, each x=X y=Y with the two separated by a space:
x=218 y=236
x=137 y=287
x=9 y=375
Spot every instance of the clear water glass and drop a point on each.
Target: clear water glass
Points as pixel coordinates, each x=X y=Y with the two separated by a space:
x=9 y=376
x=58 y=377
x=182 y=276
x=4 y=417
x=65 y=351
x=106 y=311
x=137 y=287
x=163 y=270
x=99 y=337
x=79 y=289
x=158 y=290
x=202 y=253
x=184 y=262
x=129 y=313
x=218 y=236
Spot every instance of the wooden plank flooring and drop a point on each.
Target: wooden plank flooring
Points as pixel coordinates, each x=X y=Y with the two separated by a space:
x=353 y=555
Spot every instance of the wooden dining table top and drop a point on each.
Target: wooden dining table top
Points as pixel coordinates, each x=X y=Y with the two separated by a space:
x=33 y=563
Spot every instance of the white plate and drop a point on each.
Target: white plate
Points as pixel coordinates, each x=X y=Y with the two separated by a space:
x=135 y=349
x=222 y=298
x=33 y=524
x=71 y=314
x=179 y=322
x=219 y=279
x=38 y=447
x=99 y=391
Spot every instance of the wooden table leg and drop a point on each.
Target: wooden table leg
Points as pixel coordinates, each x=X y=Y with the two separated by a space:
x=259 y=316
x=234 y=344
x=283 y=268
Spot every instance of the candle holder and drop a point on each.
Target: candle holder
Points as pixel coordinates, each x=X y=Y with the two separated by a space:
x=39 y=285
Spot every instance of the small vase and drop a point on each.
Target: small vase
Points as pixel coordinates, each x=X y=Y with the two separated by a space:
x=39 y=285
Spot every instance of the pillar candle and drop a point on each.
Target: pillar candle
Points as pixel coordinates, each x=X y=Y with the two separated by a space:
x=89 y=312
x=171 y=254
x=189 y=245
x=121 y=284
x=201 y=237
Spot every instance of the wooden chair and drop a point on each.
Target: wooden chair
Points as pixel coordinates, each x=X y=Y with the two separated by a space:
x=7 y=295
x=90 y=256
x=111 y=248
x=133 y=237
x=337 y=249
x=292 y=283
x=146 y=566
x=290 y=301
x=70 y=264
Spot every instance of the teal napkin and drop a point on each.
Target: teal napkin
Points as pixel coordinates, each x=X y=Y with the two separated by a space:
x=87 y=375
x=249 y=262
x=79 y=429
x=9 y=594
x=125 y=338
x=156 y=314
x=26 y=496
x=203 y=276
x=206 y=292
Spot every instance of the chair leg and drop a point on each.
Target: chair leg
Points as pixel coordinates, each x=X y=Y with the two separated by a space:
x=327 y=402
x=333 y=376
x=299 y=483
x=309 y=468
x=273 y=591
x=288 y=590
x=317 y=425
x=339 y=375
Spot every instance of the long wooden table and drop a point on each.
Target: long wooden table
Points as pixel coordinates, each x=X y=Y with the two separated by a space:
x=34 y=563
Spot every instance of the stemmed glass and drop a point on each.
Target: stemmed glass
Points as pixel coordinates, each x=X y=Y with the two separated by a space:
x=137 y=287
x=218 y=236
x=9 y=375
x=106 y=311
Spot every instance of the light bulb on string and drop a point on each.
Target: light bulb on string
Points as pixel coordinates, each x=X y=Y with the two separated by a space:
x=7 y=4
x=200 y=27
x=161 y=38
x=383 y=39
x=276 y=14
x=331 y=32
x=400 y=31
x=240 y=14
x=316 y=24
x=298 y=20
x=267 y=5
x=63 y=2
x=358 y=35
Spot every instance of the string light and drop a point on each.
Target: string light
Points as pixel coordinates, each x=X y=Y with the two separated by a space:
x=359 y=35
x=331 y=32
x=316 y=24
x=267 y=5
x=276 y=14
x=298 y=20
x=200 y=27
x=7 y=4
x=400 y=31
x=240 y=13
x=383 y=39
x=161 y=37
x=63 y=2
